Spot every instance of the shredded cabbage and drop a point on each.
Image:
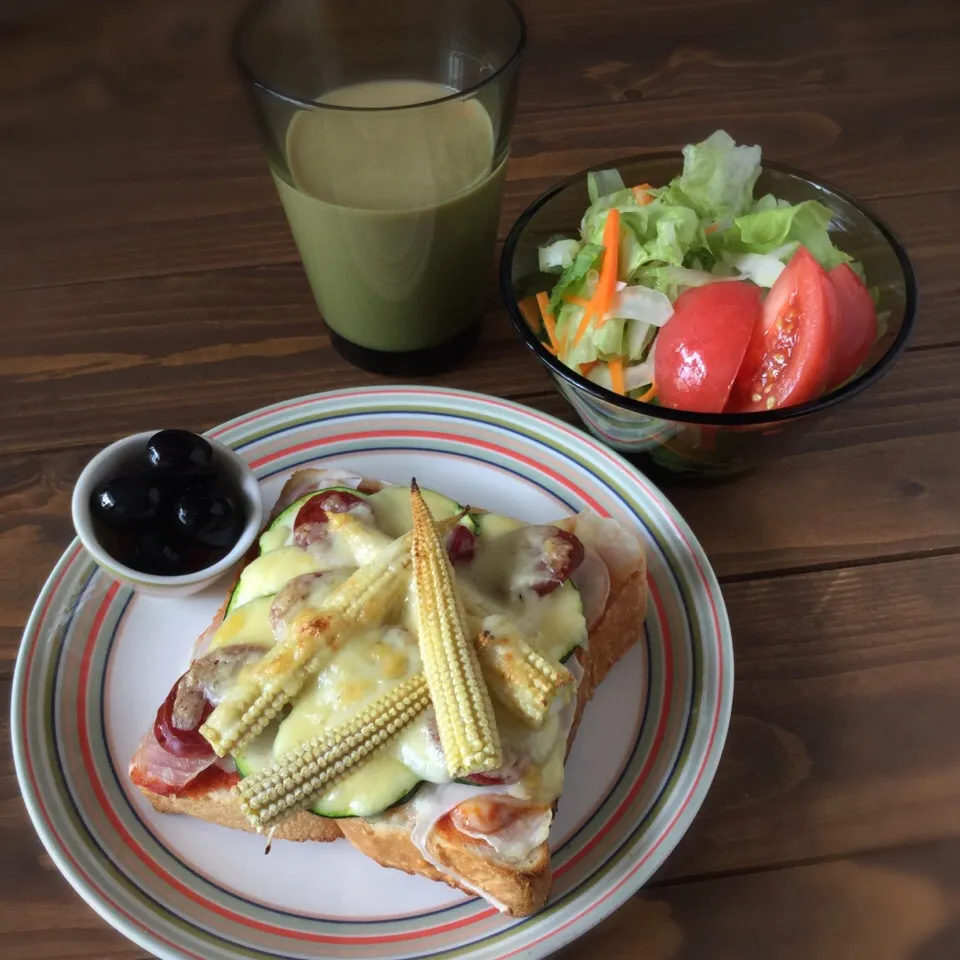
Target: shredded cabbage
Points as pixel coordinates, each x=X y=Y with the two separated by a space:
x=573 y=277
x=643 y=304
x=557 y=256
x=639 y=336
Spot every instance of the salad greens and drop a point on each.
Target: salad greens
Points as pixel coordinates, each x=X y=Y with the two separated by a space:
x=705 y=226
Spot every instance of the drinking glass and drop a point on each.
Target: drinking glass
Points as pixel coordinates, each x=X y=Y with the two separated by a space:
x=387 y=127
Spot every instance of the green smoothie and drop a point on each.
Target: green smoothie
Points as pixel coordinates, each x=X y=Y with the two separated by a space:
x=394 y=212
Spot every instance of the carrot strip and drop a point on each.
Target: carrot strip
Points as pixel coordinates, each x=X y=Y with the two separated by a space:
x=649 y=395
x=602 y=298
x=607 y=285
x=543 y=301
x=577 y=301
x=642 y=193
x=713 y=228
x=585 y=368
x=531 y=313
x=616 y=375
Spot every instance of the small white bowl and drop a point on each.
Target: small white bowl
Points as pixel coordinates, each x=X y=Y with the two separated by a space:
x=102 y=466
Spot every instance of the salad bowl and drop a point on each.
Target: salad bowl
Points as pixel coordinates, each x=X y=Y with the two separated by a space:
x=698 y=445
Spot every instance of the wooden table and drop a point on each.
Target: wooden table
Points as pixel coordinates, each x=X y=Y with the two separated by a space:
x=147 y=277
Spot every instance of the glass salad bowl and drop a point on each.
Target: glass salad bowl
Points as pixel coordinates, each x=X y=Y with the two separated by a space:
x=707 y=445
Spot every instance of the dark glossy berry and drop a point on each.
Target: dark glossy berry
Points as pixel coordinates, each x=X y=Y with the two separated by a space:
x=180 y=454
x=128 y=501
x=209 y=518
x=158 y=551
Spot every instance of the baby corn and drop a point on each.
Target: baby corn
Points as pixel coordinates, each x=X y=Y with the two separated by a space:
x=523 y=680
x=468 y=732
x=315 y=635
x=292 y=782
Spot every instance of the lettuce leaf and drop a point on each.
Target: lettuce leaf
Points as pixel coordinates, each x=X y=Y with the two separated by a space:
x=766 y=231
x=597 y=343
x=718 y=176
x=657 y=231
x=602 y=183
x=665 y=233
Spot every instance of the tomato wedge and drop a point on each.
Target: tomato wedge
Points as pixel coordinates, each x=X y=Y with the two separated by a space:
x=701 y=347
x=789 y=357
x=856 y=330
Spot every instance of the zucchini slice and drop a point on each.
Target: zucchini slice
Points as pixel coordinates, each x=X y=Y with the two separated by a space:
x=381 y=782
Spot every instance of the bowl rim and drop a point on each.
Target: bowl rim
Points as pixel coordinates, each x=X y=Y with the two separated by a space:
x=83 y=521
x=761 y=418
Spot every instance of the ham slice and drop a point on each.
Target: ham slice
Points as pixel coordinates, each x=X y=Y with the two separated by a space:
x=592 y=580
x=158 y=771
x=311 y=480
x=512 y=827
x=618 y=546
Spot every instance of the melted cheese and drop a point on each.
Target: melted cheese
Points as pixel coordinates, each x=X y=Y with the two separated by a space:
x=371 y=664
x=269 y=572
x=249 y=623
x=517 y=840
x=353 y=680
x=279 y=535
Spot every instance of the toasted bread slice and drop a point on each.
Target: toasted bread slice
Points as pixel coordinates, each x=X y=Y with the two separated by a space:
x=222 y=807
x=520 y=887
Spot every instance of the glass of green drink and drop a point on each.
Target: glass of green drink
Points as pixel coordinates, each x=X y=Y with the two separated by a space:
x=387 y=127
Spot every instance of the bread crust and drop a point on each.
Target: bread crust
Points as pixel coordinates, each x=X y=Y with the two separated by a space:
x=521 y=888
x=222 y=807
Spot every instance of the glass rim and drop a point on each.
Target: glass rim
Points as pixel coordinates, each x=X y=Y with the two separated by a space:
x=249 y=76
x=759 y=418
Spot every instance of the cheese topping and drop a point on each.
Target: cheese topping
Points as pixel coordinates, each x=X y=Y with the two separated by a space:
x=373 y=662
x=269 y=572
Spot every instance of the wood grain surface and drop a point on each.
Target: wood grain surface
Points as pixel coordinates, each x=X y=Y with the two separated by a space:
x=147 y=277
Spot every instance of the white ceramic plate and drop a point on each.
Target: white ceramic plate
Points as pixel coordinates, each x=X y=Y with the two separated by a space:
x=97 y=660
